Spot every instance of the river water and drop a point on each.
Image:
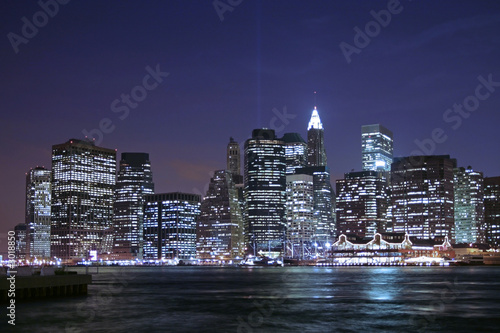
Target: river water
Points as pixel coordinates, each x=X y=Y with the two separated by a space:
x=274 y=299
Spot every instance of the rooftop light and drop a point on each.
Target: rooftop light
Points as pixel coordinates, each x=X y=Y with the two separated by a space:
x=315 y=122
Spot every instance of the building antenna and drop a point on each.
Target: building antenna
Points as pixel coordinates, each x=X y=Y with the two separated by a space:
x=315 y=99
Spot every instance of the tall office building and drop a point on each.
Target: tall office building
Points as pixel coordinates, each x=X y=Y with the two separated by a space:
x=324 y=204
x=376 y=147
x=316 y=154
x=220 y=226
x=362 y=202
x=301 y=222
x=264 y=191
x=170 y=226
x=295 y=152
x=38 y=202
x=134 y=181
x=492 y=210
x=324 y=196
x=422 y=196
x=21 y=248
x=233 y=157
x=83 y=182
x=469 y=206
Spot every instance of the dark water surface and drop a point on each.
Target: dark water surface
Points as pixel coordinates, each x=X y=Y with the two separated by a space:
x=290 y=299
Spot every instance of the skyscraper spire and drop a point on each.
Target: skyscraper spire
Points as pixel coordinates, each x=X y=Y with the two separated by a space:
x=315 y=122
x=315 y=141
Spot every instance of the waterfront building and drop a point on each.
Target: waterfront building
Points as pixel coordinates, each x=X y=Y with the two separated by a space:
x=324 y=206
x=170 y=226
x=38 y=201
x=390 y=248
x=383 y=248
x=468 y=206
x=376 y=147
x=83 y=181
x=295 y=152
x=301 y=221
x=220 y=226
x=362 y=202
x=134 y=181
x=264 y=192
x=21 y=246
x=492 y=211
x=422 y=196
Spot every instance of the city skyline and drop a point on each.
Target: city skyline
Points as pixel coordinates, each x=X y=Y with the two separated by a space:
x=171 y=124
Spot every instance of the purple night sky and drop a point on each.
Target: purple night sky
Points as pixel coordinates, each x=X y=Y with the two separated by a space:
x=226 y=77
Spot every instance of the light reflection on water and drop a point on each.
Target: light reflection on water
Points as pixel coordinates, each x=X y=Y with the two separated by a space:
x=290 y=299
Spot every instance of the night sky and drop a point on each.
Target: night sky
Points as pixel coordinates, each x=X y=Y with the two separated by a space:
x=225 y=77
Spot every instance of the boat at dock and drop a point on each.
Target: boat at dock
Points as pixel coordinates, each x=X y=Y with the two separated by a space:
x=261 y=261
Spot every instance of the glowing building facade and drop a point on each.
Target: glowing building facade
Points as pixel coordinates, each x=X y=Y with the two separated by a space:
x=469 y=206
x=38 y=194
x=376 y=147
x=134 y=181
x=220 y=226
x=170 y=226
x=301 y=222
x=264 y=192
x=362 y=202
x=492 y=211
x=83 y=182
x=295 y=152
x=21 y=247
x=324 y=205
x=422 y=196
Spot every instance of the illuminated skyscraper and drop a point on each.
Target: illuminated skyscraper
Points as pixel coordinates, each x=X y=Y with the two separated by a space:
x=362 y=201
x=324 y=204
x=264 y=192
x=83 y=182
x=295 y=152
x=170 y=225
x=38 y=203
x=21 y=247
x=376 y=147
x=324 y=196
x=469 y=206
x=220 y=226
x=492 y=210
x=316 y=154
x=233 y=157
x=422 y=196
x=133 y=182
x=301 y=222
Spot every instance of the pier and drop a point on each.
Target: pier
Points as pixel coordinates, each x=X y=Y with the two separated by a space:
x=43 y=286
